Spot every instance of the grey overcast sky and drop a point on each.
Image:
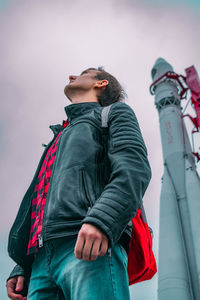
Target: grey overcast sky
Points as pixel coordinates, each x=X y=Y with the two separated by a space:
x=43 y=42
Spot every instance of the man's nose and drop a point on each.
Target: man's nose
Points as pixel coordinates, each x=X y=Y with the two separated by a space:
x=72 y=77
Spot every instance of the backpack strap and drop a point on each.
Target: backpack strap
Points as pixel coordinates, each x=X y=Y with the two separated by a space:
x=143 y=213
x=144 y=218
x=104 y=115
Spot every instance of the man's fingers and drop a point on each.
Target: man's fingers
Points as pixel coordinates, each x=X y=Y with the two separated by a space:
x=14 y=296
x=90 y=237
x=87 y=248
x=104 y=247
x=79 y=245
x=20 y=283
x=11 y=285
x=95 y=249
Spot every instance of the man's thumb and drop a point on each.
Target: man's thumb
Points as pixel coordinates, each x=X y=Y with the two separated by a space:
x=20 y=283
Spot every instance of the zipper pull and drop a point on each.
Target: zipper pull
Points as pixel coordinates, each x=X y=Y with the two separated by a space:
x=109 y=252
x=40 y=241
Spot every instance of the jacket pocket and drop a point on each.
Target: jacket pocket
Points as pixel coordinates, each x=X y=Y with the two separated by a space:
x=67 y=199
x=85 y=191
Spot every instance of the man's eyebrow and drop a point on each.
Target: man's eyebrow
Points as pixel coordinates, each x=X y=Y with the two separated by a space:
x=84 y=72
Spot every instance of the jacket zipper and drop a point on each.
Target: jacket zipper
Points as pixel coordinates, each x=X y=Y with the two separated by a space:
x=109 y=252
x=40 y=241
x=41 y=235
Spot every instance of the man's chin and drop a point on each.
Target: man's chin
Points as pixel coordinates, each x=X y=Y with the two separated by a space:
x=68 y=97
x=66 y=92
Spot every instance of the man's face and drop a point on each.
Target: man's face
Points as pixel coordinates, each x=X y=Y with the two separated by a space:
x=82 y=83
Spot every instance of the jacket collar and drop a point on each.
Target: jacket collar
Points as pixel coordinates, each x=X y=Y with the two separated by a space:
x=73 y=111
x=78 y=109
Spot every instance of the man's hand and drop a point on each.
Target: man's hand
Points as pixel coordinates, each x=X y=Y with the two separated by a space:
x=90 y=238
x=14 y=285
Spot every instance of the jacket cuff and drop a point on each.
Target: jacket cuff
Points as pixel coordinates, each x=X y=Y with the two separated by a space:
x=17 y=271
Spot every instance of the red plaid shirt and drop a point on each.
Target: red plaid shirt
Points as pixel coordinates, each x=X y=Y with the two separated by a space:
x=40 y=195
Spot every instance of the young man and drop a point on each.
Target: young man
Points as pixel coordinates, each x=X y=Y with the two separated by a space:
x=71 y=236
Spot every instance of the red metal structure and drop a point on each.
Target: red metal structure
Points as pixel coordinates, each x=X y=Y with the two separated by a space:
x=189 y=82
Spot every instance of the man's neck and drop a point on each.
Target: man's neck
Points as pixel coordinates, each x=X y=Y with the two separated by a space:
x=86 y=97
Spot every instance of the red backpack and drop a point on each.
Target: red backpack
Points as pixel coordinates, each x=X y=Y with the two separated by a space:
x=141 y=261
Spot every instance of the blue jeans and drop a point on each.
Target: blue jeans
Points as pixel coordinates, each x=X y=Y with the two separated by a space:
x=58 y=274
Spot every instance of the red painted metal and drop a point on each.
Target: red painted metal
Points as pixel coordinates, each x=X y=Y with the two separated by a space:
x=171 y=75
x=193 y=83
x=189 y=82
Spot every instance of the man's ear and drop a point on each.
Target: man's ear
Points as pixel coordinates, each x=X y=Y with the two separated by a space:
x=101 y=83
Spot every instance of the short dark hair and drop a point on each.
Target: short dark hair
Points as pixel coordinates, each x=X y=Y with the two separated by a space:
x=113 y=92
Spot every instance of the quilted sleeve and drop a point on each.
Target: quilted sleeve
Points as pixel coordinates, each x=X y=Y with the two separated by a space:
x=129 y=177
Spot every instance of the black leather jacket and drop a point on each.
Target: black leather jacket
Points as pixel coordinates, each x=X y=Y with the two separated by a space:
x=98 y=178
